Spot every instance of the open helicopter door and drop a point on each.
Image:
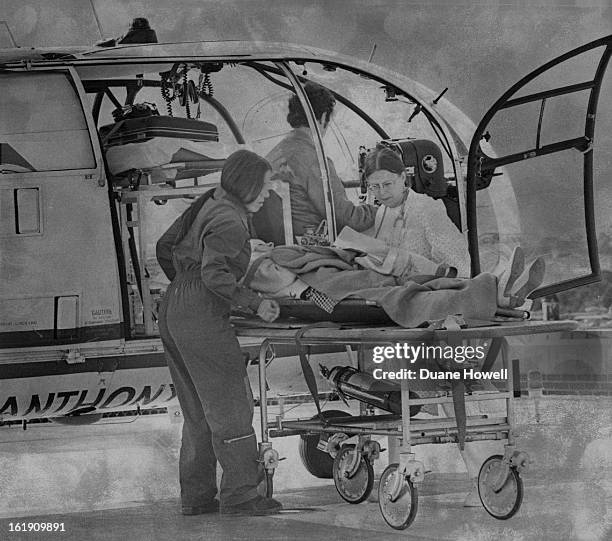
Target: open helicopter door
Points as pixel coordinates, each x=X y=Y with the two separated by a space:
x=542 y=130
x=57 y=251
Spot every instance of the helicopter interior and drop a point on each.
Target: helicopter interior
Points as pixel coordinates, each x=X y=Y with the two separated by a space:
x=168 y=127
x=166 y=130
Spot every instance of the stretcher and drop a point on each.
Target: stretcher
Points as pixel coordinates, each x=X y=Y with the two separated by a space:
x=345 y=445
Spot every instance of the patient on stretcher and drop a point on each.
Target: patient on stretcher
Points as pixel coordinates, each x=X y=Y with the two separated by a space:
x=409 y=267
x=328 y=275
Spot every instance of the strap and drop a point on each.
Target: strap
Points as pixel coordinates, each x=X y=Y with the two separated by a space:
x=458 y=389
x=309 y=376
x=452 y=336
x=111 y=132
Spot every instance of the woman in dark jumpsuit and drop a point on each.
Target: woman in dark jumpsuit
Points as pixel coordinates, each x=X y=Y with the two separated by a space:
x=205 y=253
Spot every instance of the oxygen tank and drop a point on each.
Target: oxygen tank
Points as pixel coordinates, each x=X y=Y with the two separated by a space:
x=378 y=393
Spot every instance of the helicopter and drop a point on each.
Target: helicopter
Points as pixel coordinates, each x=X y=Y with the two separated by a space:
x=102 y=147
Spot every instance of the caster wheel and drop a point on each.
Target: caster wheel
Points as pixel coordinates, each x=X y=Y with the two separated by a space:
x=356 y=488
x=398 y=513
x=504 y=503
x=317 y=462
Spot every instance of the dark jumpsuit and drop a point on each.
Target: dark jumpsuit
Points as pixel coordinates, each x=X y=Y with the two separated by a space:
x=203 y=354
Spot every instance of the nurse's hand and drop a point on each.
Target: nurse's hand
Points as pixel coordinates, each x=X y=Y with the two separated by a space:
x=268 y=310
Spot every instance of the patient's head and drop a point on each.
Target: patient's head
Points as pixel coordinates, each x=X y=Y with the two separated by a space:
x=266 y=276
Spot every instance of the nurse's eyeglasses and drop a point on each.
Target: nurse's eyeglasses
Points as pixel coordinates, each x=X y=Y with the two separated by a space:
x=386 y=186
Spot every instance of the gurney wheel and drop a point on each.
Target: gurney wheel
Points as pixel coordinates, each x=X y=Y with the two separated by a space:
x=356 y=488
x=507 y=501
x=318 y=463
x=400 y=513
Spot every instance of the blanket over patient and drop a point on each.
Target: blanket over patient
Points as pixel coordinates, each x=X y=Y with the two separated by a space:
x=410 y=302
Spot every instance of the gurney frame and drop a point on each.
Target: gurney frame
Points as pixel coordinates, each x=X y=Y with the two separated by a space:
x=499 y=482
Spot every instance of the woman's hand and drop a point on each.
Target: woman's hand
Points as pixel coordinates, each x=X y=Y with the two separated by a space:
x=268 y=310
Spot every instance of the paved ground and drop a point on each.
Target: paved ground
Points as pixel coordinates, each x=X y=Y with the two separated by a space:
x=118 y=481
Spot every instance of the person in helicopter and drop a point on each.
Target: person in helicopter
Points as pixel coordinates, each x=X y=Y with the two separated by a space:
x=295 y=158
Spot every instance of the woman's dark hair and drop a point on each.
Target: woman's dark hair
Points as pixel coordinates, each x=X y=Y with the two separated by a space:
x=321 y=100
x=243 y=175
x=383 y=158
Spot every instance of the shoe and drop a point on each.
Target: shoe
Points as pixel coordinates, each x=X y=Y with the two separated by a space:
x=472 y=499
x=211 y=507
x=507 y=274
x=257 y=506
x=529 y=280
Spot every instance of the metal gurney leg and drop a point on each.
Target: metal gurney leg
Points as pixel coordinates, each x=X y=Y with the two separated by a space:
x=268 y=456
x=397 y=493
x=500 y=486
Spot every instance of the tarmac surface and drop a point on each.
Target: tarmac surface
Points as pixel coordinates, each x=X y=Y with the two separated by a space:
x=118 y=480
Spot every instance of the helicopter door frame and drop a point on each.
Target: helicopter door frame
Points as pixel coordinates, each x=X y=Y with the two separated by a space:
x=481 y=167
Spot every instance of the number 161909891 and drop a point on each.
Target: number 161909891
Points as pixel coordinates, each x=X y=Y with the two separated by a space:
x=36 y=527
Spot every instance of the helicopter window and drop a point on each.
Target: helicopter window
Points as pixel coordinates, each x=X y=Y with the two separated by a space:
x=538 y=123
x=346 y=133
x=384 y=106
x=546 y=193
x=511 y=212
x=543 y=221
x=367 y=111
x=573 y=71
x=42 y=124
